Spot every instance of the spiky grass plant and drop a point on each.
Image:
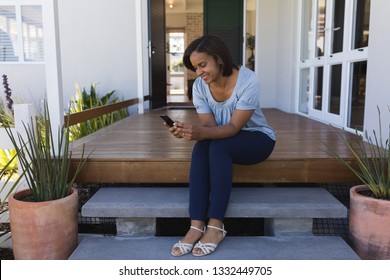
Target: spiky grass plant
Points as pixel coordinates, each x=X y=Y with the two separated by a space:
x=84 y=100
x=46 y=163
x=372 y=157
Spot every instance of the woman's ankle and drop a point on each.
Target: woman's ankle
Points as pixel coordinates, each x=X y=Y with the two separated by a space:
x=198 y=224
x=195 y=232
x=215 y=223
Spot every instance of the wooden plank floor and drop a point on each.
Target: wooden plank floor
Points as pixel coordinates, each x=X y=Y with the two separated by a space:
x=139 y=149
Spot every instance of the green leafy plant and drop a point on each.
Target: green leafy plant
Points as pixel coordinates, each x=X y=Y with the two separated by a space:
x=6 y=116
x=7 y=119
x=250 y=44
x=84 y=100
x=372 y=154
x=7 y=176
x=6 y=173
x=8 y=160
x=45 y=163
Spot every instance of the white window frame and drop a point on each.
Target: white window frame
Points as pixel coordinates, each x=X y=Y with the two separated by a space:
x=346 y=58
x=18 y=16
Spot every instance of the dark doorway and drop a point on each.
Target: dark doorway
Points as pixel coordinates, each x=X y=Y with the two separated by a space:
x=224 y=18
x=157 y=79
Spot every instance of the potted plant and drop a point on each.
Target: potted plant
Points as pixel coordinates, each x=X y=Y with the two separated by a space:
x=43 y=217
x=369 y=218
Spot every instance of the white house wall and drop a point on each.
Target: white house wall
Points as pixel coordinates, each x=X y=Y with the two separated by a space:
x=378 y=73
x=27 y=82
x=277 y=48
x=266 y=56
x=286 y=55
x=98 y=46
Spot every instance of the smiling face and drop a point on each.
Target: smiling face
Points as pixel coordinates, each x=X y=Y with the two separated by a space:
x=206 y=66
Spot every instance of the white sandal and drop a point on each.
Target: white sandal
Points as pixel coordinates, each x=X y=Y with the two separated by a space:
x=208 y=248
x=185 y=248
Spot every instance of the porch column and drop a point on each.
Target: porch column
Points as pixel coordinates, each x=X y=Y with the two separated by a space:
x=54 y=92
x=140 y=67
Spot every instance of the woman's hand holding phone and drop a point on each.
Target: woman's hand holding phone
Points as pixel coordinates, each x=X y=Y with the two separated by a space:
x=167 y=120
x=172 y=126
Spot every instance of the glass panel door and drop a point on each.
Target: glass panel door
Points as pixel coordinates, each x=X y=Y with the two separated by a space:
x=357 y=95
x=338 y=26
x=307 y=32
x=176 y=67
x=335 y=90
x=318 y=88
x=332 y=77
x=321 y=16
x=304 y=90
x=361 y=24
x=250 y=32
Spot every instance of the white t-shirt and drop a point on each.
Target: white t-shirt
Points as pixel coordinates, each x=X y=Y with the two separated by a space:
x=245 y=96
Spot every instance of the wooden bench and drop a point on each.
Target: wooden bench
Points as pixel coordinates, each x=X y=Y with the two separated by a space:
x=286 y=210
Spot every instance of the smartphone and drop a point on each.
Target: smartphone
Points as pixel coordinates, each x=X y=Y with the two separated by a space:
x=168 y=120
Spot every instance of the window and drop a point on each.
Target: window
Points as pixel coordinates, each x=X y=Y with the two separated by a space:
x=335 y=89
x=8 y=34
x=176 y=68
x=357 y=95
x=338 y=26
x=361 y=24
x=333 y=61
x=250 y=31
x=306 y=38
x=304 y=90
x=318 y=88
x=21 y=33
x=321 y=15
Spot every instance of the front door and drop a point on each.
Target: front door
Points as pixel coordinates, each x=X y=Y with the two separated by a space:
x=157 y=79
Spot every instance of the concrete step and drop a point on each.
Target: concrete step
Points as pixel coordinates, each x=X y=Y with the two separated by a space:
x=287 y=211
x=244 y=202
x=232 y=248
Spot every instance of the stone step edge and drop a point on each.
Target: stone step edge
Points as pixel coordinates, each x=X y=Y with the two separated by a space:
x=233 y=247
x=245 y=202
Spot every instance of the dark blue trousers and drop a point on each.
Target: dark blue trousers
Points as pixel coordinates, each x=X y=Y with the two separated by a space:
x=211 y=170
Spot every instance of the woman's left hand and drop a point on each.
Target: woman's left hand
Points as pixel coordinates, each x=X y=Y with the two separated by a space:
x=189 y=131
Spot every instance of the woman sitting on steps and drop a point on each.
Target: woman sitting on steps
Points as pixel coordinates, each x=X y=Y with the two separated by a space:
x=232 y=129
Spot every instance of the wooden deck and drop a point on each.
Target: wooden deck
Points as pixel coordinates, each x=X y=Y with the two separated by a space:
x=139 y=149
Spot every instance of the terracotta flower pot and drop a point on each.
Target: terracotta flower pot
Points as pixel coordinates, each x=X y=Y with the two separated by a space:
x=369 y=225
x=43 y=230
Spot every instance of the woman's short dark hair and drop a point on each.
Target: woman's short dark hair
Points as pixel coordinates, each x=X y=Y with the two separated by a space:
x=213 y=46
